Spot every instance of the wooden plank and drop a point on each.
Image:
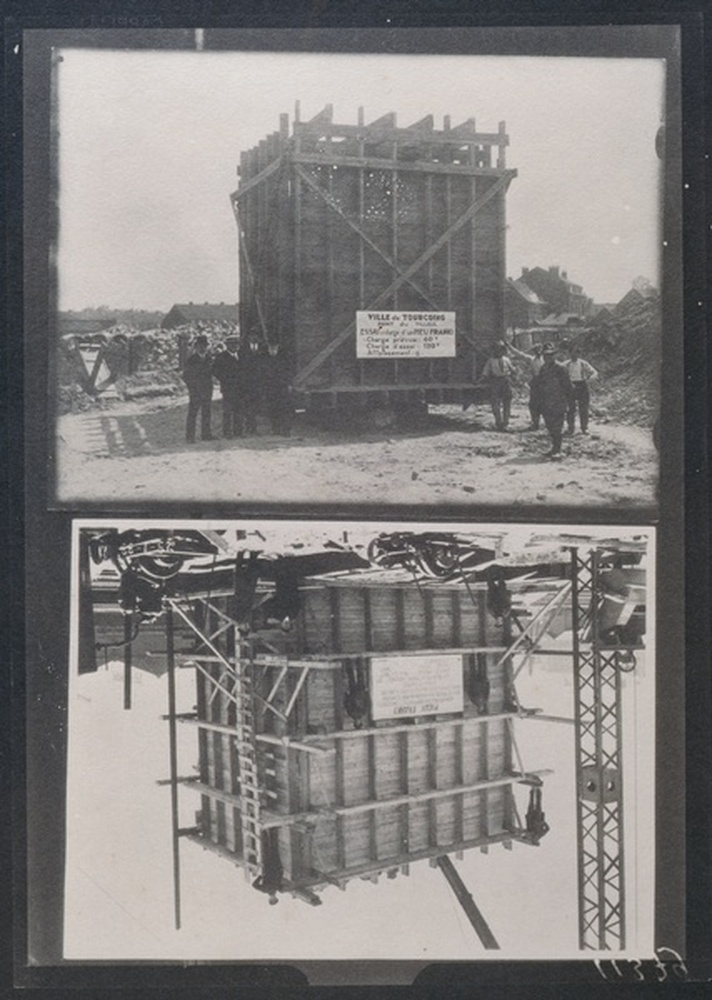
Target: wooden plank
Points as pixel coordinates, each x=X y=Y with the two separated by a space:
x=387 y=730
x=363 y=578
x=456 y=617
x=361 y=248
x=173 y=756
x=448 y=248
x=399 y=615
x=367 y=622
x=437 y=793
x=127 y=650
x=459 y=780
x=432 y=744
x=405 y=789
x=373 y=794
x=405 y=136
x=340 y=800
x=474 y=915
x=335 y=608
x=375 y=387
x=368 y=868
x=387 y=163
x=484 y=774
x=230 y=730
x=474 y=290
x=428 y=618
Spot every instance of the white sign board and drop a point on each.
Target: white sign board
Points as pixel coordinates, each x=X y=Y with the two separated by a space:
x=406 y=686
x=405 y=334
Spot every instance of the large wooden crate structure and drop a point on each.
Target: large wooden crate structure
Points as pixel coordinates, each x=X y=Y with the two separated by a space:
x=338 y=218
x=278 y=751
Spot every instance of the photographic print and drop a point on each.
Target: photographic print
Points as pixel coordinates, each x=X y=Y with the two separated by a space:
x=344 y=740
x=385 y=277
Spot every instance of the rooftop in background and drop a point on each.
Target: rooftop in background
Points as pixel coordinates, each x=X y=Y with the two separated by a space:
x=196 y=312
x=525 y=291
x=68 y=325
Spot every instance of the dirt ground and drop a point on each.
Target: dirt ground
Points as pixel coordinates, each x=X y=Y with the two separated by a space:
x=136 y=452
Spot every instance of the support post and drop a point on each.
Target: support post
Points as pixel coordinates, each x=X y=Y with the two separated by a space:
x=173 y=751
x=464 y=898
x=599 y=768
x=128 y=633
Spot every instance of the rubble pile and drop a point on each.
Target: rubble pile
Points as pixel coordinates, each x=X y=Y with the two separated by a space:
x=140 y=363
x=626 y=350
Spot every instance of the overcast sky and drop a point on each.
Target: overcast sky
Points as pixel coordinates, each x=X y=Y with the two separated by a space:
x=149 y=143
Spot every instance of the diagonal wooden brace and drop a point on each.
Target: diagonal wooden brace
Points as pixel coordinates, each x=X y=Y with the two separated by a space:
x=404 y=276
x=309 y=180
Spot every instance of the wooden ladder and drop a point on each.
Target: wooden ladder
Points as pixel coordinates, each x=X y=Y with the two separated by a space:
x=247 y=772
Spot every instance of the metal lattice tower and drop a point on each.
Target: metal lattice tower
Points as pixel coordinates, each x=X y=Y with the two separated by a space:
x=597 y=692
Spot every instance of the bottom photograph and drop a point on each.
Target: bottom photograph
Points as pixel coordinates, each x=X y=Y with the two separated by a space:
x=360 y=740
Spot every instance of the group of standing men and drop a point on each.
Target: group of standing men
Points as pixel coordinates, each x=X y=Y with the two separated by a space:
x=557 y=390
x=251 y=380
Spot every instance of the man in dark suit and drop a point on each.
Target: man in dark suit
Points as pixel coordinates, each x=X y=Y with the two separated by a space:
x=226 y=369
x=197 y=375
x=555 y=394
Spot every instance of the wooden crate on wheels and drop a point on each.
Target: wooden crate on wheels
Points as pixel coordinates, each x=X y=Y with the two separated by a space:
x=349 y=228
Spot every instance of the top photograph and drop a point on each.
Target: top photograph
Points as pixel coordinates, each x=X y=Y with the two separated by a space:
x=328 y=278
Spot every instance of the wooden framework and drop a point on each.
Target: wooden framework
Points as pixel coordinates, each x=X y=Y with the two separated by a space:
x=277 y=751
x=336 y=218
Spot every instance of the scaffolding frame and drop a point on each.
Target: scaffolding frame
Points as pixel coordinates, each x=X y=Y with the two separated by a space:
x=598 y=739
x=599 y=773
x=219 y=644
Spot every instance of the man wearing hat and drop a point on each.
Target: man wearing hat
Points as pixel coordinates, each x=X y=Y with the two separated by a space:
x=580 y=373
x=555 y=394
x=227 y=370
x=197 y=374
x=498 y=370
x=535 y=363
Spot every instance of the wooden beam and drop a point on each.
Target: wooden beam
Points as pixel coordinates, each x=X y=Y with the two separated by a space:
x=460 y=780
x=400 y=618
x=259 y=178
x=439 y=793
x=448 y=248
x=373 y=794
x=381 y=133
x=173 y=756
x=335 y=619
x=297 y=688
x=428 y=618
x=340 y=799
x=367 y=621
x=128 y=635
x=467 y=903
x=217 y=539
x=404 y=769
x=432 y=744
x=362 y=577
x=229 y=730
x=301 y=892
x=401 y=387
x=456 y=617
x=406 y=859
x=357 y=734
x=549 y=608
